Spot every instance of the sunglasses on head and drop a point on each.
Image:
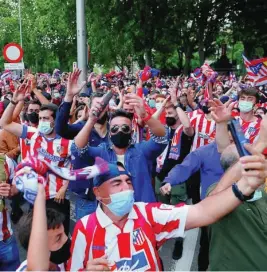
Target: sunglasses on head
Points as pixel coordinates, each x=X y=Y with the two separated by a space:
x=124 y=128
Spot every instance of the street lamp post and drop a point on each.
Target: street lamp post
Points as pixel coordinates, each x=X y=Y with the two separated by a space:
x=81 y=39
x=20 y=30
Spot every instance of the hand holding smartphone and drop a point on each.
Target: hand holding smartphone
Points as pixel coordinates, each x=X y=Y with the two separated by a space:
x=238 y=137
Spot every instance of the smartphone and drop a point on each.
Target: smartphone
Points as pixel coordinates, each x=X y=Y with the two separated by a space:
x=238 y=137
x=106 y=98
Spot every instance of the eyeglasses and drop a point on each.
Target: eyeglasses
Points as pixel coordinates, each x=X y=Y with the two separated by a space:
x=124 y=129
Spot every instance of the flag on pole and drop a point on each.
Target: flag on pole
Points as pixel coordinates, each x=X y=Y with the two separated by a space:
x=232 y=77
x=256 y=71
x=6 y=74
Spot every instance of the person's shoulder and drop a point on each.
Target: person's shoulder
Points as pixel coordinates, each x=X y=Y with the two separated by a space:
x=23 y=266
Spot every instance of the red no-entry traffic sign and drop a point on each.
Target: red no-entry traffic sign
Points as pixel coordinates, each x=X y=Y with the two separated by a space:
x=13 y=53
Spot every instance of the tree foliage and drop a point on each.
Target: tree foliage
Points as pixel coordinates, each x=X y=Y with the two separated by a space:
x=173 y=35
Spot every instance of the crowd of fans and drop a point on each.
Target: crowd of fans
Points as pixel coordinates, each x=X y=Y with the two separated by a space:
x=157 y=160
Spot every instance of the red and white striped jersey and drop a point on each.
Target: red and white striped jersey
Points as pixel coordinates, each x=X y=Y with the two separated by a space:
x=250 y=129
x=56 y=151
x=262 y=105
x=204 y=129
x=135 y=246
x=25 y=143
x=5 y=223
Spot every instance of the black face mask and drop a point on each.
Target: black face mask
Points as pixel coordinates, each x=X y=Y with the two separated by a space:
x=205 y=109
x=33 y=117
x=62 y=255
x=170 y=121
x=121 y=140
x=103 y=119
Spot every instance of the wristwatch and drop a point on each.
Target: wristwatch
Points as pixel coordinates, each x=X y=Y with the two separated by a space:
x=239 y=194
x=177 y=106
x=13 y=102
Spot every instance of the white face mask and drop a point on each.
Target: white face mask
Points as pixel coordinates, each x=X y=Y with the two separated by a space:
x=158 y=105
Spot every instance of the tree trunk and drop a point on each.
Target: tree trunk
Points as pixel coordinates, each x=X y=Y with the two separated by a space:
x=201 y=52
x=248 y=49
x=180 y=59
x=148 y=57
x=188 y=57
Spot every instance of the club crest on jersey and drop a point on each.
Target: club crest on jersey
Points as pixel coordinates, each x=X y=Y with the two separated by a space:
x=203 y=136
x=59 y=149
x=252 y=131
x=138 y=262
x=138 y=237
x=28 y=142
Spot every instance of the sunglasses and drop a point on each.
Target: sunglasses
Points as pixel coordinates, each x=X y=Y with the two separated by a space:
x=124 y=129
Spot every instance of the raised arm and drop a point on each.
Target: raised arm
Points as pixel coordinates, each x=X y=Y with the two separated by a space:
x=17 y=111
x=119 y=106
x=37 y=92
x=234 y=173
x=63 y=128
x=159 y=111
x=81 y=139
x=6 y=120
x=154 y=125
x=181 y=172
x=188 y=129
x=38 y=260
x=221 y=114
x=212 y=208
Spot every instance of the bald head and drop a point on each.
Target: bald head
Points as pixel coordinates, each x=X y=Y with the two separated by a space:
x=229 y=157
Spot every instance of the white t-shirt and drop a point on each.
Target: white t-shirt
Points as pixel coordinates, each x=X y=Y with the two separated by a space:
x=120 y=158
x=23 y=267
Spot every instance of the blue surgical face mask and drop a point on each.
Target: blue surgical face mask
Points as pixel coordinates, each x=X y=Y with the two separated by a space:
x=245 y=106
x=121 y=203
x=158 y=105
x=45 y=127
x=152 y=103
x=257 y=195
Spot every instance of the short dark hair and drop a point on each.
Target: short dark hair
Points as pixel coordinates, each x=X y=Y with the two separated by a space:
x=54 y=220
x=121 y=113
x=250 y=92
x=263 y=109
x=52 y=107
x=34 y=102
x=94 y=95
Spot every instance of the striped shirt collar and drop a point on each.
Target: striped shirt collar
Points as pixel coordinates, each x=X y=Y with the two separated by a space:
x=105 y=221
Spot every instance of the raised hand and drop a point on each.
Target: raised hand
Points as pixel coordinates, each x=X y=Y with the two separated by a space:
x=174 y=98
x=21 y=91
x=91 y=77
x=138 y=103
x=166 y=100
x=32 y=81
x=73 y=87
x=221 y=112
x=254 y=171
